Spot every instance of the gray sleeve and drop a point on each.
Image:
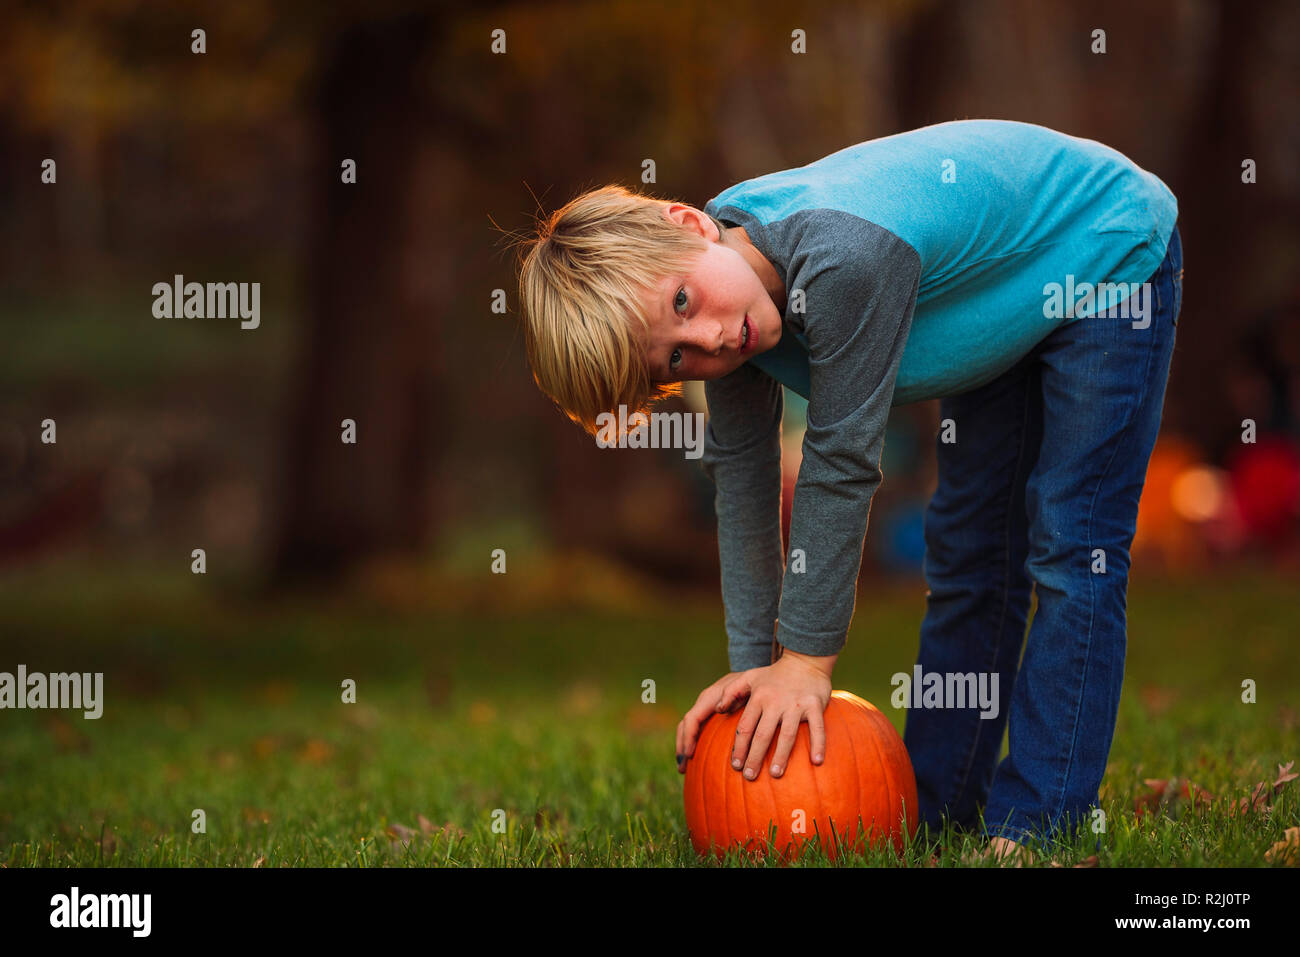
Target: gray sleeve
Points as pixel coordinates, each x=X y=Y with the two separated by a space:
x=858 y=314
x=742 y=456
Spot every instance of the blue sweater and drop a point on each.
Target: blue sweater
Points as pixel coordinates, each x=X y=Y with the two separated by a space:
x=915 y=266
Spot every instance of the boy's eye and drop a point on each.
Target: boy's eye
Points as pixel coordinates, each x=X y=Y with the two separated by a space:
x=679 y=301
x=676 y=359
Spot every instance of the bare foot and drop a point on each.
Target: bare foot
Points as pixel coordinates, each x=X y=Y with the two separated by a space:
x=1004 y=849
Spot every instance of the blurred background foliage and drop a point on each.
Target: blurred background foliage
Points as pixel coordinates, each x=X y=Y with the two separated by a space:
x=225 y=166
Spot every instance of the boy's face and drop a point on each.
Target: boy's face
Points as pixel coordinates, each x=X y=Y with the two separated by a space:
x=720 y=313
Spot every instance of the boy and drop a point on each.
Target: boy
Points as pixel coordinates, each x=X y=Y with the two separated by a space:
x=1029 y=280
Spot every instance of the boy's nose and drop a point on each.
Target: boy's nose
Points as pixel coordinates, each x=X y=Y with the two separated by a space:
x=709 y=337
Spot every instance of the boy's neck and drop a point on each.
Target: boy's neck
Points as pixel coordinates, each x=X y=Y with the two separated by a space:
x=738 y=239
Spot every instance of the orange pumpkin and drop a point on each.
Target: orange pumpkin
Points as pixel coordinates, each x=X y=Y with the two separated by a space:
x=866 y=775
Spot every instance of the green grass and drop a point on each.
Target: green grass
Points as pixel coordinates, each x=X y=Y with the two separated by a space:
x=231 y=705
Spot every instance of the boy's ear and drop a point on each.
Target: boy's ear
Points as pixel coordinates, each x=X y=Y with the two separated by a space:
x=690 y=217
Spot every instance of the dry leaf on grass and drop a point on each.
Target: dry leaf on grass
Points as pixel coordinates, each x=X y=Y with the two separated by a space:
x=1286 y=851
x=1170 y=797
x=1284 y=775
x=1261 y=796
x=400 y=836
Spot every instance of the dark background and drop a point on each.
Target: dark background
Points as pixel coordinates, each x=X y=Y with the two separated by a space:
x=376 y=297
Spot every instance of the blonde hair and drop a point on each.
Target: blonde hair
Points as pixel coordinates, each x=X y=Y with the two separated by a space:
x=582 y=284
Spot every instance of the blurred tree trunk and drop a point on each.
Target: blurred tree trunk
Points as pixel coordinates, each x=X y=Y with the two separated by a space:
x=1219 y=218
x=928 y=55
x=370 y=338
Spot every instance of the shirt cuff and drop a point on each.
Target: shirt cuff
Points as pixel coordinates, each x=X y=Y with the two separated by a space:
x=816 y=643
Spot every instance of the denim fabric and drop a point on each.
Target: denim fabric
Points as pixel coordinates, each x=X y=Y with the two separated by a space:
x=1048 y=466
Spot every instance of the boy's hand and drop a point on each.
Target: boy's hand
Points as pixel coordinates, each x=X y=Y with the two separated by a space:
x=782 y=695
x=706 y=705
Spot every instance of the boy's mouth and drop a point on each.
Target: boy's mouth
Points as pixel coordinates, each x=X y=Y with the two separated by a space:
x=744 y=334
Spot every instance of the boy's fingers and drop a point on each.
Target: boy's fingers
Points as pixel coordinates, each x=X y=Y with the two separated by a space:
x=731 y=692
x=785 y=743
x=817 y=734
x=767 y=726
x=744 y=731
x=690 y=731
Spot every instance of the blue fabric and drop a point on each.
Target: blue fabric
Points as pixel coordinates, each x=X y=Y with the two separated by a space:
x=996 y=210
x=1048 y=465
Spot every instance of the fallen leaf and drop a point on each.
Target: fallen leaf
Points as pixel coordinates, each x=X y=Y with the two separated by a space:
x=426 y=826
x=1170 y=797
x=1258 y=801
x=1284 y=775
x=400 y=836
x=450 y=830
x=1287 y=851
x=259 y=862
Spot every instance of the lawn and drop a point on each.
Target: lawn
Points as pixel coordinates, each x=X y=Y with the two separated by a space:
x=500 y=730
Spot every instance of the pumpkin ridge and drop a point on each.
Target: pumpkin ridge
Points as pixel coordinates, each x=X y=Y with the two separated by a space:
x=885 y=764
x=856 y=775
x=705 y=764
x=744 y=801
x=817 y=791
x=719 y=745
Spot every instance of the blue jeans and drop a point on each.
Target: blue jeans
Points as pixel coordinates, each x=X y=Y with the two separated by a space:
x=1047 y=468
